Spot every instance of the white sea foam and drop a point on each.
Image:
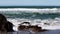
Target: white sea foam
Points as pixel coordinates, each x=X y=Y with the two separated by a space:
x=49 y=23
x=46 y=10
x=52 y=24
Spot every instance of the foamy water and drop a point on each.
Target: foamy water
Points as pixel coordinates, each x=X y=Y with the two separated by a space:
x=51 y=24
x=14 y=15
x=46 y=10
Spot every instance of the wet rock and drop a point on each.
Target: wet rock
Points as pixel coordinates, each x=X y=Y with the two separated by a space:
x=9 y=27
x=25 y=23
x=23 y=27
x=33 y=28
x=3 y=21
x=5 y=26
x=37 y=29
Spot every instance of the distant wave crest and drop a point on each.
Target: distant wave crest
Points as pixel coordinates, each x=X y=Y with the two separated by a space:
x=41 y=11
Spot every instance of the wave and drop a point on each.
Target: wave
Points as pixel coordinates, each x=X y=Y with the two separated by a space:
x=41 y=11
x=30 y=13
x=51 y=24
x=33 y=15
x=46 y=18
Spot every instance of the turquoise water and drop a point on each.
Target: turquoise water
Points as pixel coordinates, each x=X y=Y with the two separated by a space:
x=34 y=15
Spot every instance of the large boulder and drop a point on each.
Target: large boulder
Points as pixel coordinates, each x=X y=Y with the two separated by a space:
x=5 y=26
x=3 y=21
x=9 y=27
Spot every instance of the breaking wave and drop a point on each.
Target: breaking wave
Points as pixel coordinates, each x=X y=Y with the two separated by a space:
x=35 y=16
x=46 y=10
x=31 y=13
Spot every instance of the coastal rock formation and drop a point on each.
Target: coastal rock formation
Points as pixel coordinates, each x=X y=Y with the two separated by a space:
x=5 y=26
x=33 y=28
x=9 y=27
x=3 y=21
x=23 y=27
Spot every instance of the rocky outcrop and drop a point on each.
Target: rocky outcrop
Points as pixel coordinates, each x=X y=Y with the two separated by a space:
x=5 y=26
x=9 y=27
x=33 y=28
x=23 y=27
x=3 y=21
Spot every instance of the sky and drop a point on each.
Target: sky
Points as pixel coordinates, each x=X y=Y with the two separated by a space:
x=29 y=2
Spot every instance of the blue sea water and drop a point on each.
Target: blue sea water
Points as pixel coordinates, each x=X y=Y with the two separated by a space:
x=36 y=16
x=31 y=13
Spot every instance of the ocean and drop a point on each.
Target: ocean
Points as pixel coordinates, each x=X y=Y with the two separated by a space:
x=34 y=15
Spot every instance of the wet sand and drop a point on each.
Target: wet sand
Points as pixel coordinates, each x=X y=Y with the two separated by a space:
x=28 y=32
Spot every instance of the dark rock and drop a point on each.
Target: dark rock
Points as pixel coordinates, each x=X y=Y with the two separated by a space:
x=21 y=27
x=25 y=23
x=33 y=28
x=9 y=27
x=5 y=25
x=3 y=21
